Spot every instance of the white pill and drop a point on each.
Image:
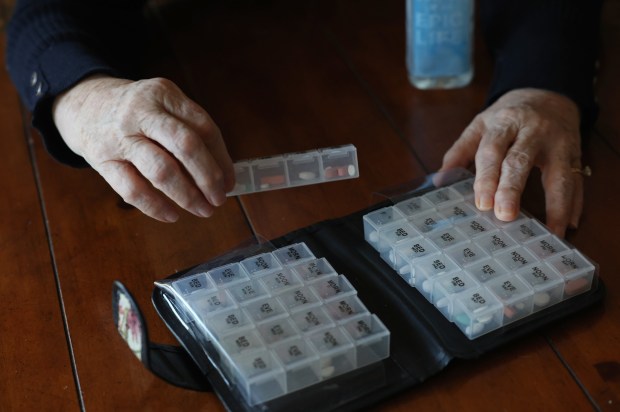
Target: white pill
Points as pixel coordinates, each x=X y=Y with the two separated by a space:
x=373 y=236
x=485 y=318
x=351 y=170
x=327 y=371
x=475 y=329
x=443 y=303
x=541 y=299
x=307 y=175
x=427 y=286
x=392 y=256
x=404 y=270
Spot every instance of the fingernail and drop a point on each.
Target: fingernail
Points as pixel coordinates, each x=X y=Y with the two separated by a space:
x=218 y=198
x=171 y=216
x=485 y=202
x=205 y=211
x=506 y=211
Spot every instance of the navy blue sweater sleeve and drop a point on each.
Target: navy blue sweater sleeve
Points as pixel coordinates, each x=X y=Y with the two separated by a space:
x=545 y=44
x=53 y=44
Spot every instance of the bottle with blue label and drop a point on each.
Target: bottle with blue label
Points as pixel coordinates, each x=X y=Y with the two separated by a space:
x=440 y=43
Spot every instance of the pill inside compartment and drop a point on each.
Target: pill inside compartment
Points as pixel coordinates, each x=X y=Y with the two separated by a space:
x=576 y=270
x=477 y=312
x=379 y=219
x=303 y=168
x=426 y=270
x=244 y=180
x=548 y=285
x=446 y=287
x=339 y=162
x=269 y=173
x=515 y=294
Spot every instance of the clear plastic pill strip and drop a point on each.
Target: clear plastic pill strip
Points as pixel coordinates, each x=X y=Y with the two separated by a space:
x=480 y=272
x=281 y=321
x=295 y=169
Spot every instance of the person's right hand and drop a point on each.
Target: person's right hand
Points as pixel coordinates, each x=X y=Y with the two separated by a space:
x=151 y=143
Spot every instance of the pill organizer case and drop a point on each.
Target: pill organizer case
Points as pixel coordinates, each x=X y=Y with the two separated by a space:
x=480 y=272
x=279 y=321
x=295 y=169
x=433 y=278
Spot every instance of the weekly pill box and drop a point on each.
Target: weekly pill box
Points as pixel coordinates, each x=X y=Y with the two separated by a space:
x=479 y=272
x=295 y=169
x=280 y=321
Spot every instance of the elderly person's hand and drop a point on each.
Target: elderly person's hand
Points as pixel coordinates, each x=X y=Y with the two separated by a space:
x=525 y=128
x=150 y=142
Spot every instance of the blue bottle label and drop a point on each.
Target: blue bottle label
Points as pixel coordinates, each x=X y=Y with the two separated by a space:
x=439 y=37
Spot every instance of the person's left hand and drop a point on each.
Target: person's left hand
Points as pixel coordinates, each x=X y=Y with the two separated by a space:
x=523 y=129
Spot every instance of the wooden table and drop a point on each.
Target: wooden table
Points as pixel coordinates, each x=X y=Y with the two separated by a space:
x=277 y=77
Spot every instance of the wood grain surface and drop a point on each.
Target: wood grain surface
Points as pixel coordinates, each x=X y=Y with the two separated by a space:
x=277 y=76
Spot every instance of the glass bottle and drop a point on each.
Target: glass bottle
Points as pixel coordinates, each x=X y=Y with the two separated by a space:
x=439 y=43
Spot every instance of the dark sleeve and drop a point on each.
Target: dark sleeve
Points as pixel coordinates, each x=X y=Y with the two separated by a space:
x=545 y=44
x=53 y=44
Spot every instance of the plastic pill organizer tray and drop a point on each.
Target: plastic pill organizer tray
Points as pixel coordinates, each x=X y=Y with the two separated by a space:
x=480 y=272
x=280 y=321
x=295 y=169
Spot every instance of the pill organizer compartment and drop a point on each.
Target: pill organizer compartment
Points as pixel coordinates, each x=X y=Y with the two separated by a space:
x=280 y=280
x=414 y=206
x=375 y=221
x=465 y=188
x=577 y=271
x=244 y=178
x=339 y=163
x=443 y=197
x=495 y=241
x=447 y=237
x=526 y=230
x=546 y=246
x=394 y=235
x=277 y=322
x=295 y=169
x=293 y=254
x=477 y=312
x=429 y=221
x=426 y=270
x=486 y=269
x=446 y=287
x=515 y=295
x=514 y=268
x=270 y=173
x=404 y=255
x=331 y=286
x=313 y=269
x=371 y=339
x=304 y=168
x=548 y=286
x=260 y=264
x=456 y=212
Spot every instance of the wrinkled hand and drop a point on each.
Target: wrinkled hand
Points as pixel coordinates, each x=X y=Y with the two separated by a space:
x=525 y=128
x=153 y=145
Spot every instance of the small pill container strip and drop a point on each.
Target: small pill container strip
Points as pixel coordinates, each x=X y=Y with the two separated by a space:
x=480 y=272
x=295 y=169
x=280 y=321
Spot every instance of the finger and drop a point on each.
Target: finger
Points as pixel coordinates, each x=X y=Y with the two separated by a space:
x=192 y=153
x=559 y=185
x=577 y=207
x=462 y=152
x=135 y=190
x=165 y=174
x=489 y=158
x=200 y=121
